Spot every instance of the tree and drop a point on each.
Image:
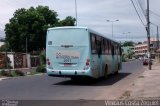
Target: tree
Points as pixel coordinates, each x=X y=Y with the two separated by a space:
x=68 y=21
x=31 y=25
x=128 y=43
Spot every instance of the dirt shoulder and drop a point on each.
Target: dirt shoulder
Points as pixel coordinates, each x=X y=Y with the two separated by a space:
x=146 y=86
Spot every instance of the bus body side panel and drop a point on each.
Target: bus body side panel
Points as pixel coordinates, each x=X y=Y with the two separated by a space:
x=107 y=63
x=95 y=65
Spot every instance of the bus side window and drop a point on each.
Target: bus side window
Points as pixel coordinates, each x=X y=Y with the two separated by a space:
x=107 y=47
x=99 y=45
x=103 y=46
x=112 y=49
x=116 y=52
x=93 y=44
x=120 y=51
x=117 y=49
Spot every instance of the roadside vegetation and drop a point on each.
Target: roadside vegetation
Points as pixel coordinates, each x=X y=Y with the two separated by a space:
x=14 y=73
x=42 y=67
x=17 y=73
x=11 y=73
x=127 y=51
x=31 y=25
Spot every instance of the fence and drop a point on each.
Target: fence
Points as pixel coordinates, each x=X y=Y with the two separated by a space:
x=18 y=60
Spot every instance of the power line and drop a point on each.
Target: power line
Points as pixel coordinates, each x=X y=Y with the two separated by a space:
x=140 y=4
x=142 y=12
x=138 y=14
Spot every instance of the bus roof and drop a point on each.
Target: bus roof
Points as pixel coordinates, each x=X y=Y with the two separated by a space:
x=68 y=27
x=80 y=27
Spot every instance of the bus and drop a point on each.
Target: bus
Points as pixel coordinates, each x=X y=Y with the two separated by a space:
x=81 y=52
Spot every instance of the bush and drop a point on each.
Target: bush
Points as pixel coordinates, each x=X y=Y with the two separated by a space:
x=41 y=69
x=42 y=58
x=5 y=73
x=18 y=73
x=4 y=62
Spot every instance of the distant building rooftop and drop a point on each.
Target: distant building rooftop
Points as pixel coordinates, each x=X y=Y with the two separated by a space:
x=1 y=43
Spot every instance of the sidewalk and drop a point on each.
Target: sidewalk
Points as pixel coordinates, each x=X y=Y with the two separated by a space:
x=147 y=85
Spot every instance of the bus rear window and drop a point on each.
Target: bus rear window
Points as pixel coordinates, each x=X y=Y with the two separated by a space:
x=68 y=37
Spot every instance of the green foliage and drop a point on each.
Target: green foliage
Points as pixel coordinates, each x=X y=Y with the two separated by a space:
x=32 y=24
x=124 y=57
x=5 y=62
x=128 y=43
x=42 y=58
x=15 y=73
x=3 y=73
x=3 y=48
x=11 y=73
x=6 y=73
x=41 y=69
x=68 y=21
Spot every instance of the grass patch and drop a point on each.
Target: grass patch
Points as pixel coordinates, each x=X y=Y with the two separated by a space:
x=5 y=73
x=33 y=73
x=141 y=77
x=16 y=73
x=41 y=69
x=125 y=95
x=11 y=73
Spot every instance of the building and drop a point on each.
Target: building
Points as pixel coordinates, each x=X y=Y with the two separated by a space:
x=140 y=50
x=1 y=43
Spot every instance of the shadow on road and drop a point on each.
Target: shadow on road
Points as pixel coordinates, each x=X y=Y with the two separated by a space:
x=112 y=79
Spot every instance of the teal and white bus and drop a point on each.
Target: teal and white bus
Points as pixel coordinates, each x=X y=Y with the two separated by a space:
x=79 y=51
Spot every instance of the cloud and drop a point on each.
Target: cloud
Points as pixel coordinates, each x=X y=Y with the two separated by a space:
x=2 y=33
x=91 y=13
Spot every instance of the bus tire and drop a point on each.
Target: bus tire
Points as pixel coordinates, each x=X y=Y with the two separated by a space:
x=119 y=66
x=117 y=69
x=116 y=72
x=106 y=72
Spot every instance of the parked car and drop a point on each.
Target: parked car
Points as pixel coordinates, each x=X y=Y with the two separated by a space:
x=146 y=61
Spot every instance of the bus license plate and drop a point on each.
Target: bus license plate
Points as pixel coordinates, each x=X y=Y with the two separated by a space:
x=66 y=64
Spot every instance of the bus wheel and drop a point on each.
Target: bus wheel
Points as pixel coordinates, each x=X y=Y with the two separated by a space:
x=116 y=72
x=119 y=66
x=117 y=69
x=106 y=72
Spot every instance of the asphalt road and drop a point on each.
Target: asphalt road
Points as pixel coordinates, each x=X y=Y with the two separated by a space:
x=53 y=88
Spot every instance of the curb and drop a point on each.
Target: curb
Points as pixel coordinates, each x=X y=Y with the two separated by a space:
x=6 y=78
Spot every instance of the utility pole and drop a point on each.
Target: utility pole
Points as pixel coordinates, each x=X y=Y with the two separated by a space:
x=26 y=45
x=148 y=35
x=6 y=58
x=157 y=37
x=26 y=51
x=76 y=10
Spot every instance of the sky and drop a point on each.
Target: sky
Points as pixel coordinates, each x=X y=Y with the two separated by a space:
x=94 y=14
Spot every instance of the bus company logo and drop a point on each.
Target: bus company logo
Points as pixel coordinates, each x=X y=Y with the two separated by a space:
x=58 y=55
